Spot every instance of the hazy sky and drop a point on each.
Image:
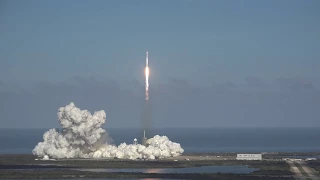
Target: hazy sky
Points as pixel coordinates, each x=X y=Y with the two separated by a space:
x=213 y=63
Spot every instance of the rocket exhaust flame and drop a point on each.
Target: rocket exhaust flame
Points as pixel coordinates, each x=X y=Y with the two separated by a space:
x=147 y=77
x=147 y=82
x=146 y=118
x=82 y=136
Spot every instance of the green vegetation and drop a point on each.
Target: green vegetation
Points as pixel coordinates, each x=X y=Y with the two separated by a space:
x=10 y=165
x=270 y=167
x=19 y=161
x=65 y=174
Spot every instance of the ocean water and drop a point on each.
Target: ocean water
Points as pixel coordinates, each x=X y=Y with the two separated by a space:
x=104 y=179
x=22 y=141
x=202 y=169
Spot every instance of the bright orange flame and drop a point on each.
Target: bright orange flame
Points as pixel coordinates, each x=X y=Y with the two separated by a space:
x=147 y=82
x=147 y=72
x=155 y=170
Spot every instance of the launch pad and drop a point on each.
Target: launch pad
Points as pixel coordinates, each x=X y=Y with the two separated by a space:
x=72 y=120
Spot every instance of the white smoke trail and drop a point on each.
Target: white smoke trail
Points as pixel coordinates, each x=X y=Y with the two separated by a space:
x=147 y=82
x=83 y=137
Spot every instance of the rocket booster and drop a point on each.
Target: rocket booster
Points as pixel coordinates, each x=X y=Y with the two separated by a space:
x=147 y=60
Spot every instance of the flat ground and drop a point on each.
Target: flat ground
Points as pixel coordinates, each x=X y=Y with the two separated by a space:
x=25 y=166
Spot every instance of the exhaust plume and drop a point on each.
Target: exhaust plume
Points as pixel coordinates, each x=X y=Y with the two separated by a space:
x=83 y=137
x=146 y=116
x=146 y=72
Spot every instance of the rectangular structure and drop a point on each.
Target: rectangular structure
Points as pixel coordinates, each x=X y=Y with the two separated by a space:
x=249 y=157
x=310 y=159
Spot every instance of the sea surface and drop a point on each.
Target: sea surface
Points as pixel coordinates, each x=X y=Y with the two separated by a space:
x=104 y=179
x=22 y=141
x=202 y=169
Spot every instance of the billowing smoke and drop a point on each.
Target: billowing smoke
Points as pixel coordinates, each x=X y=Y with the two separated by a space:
x=83 y=137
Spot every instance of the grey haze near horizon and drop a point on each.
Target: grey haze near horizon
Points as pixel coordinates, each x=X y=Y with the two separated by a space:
x=213 y=63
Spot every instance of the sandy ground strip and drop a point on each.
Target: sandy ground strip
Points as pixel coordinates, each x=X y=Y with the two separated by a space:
x=308 y=170
x=296 y=171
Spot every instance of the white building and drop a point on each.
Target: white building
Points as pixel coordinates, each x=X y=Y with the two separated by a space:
x=249 y=157
x=311 y=159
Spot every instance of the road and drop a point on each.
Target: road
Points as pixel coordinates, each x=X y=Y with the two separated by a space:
x=311 y=172
x=296 y=171
x=306 y=168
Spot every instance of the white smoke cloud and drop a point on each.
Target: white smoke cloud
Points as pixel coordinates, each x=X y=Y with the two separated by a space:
x=83 y=137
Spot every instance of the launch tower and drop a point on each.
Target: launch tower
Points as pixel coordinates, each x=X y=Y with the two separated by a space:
x=144 y=138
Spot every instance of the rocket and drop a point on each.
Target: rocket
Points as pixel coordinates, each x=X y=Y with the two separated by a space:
x=147 y=60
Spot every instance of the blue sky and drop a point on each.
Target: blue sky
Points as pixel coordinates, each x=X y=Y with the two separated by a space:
x=251 y=61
